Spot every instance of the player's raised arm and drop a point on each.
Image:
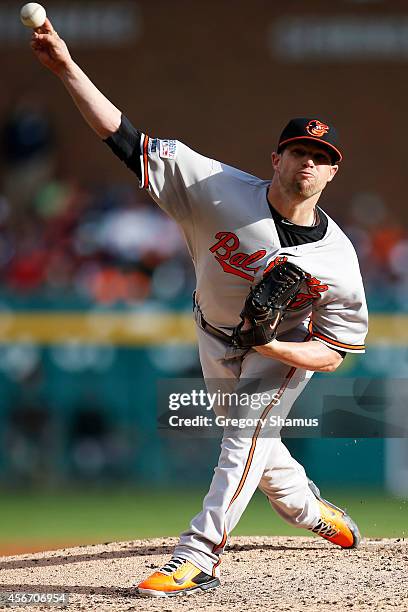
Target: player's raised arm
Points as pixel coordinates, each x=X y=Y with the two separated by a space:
x=103 y=117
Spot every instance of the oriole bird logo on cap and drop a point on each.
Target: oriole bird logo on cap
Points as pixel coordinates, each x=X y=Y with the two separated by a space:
x=317 y=128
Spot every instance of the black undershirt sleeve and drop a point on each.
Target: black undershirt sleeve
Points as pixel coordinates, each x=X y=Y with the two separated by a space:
x=125 y=143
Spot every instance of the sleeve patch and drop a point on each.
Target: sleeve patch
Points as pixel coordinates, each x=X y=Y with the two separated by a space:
x=153 y=145
x=168 y=149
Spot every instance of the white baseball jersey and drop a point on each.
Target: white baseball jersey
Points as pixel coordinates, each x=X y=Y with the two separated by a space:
x=232 y=237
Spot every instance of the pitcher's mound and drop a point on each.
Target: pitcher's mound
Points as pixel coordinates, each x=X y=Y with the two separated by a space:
x=293 y=574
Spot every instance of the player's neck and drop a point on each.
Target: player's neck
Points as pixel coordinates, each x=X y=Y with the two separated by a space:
x=298 y=210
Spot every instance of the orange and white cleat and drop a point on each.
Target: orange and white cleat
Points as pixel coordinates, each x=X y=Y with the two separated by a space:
x=177 y=577
x=335 y=524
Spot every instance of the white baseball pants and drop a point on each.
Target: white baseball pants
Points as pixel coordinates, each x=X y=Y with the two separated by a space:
x=258 y=458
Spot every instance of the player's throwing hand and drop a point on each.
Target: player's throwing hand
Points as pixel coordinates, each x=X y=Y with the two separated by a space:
x=49 y=48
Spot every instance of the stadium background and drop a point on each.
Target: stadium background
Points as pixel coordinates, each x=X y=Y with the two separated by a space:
x=95 y=282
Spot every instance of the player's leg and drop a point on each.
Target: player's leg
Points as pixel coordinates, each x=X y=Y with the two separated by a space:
x=298 y=501
x=284 y=480
x=183 y=573
x=240 y=467
x=241 y=464
x=286 y=486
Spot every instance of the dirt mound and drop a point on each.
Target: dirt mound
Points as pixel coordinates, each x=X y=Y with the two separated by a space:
x=296 y=574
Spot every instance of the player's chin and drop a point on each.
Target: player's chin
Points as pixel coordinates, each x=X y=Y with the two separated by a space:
x=307 y=188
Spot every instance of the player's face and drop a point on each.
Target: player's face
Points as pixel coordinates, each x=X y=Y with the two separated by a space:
x=303 y=169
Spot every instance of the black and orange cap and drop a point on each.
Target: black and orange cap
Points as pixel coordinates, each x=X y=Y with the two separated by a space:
x=304 y=128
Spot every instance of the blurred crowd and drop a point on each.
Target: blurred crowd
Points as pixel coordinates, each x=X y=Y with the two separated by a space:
x=104 y=243
x=109 y=244
x=381 y=242
x=98 y=243
x=61 y=418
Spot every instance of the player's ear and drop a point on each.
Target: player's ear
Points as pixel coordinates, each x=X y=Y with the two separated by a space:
x=275 y=158
x=333 y=172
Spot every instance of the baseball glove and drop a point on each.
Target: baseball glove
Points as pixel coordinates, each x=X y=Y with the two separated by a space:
x=266 y=304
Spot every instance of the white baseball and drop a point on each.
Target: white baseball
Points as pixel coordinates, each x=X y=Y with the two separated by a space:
x=33 y=15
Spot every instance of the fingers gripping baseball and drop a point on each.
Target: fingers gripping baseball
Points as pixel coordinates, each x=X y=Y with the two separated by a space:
x=49 y=48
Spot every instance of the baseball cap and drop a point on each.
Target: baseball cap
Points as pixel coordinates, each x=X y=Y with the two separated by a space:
x=306 y=128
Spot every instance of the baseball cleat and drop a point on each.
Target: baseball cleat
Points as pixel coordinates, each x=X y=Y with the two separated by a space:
x=335 y=524
x=177 y=577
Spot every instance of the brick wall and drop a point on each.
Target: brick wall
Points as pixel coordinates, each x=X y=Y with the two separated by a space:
x=203 y=72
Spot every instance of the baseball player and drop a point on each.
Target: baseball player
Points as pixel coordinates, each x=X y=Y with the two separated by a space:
x=236 y=226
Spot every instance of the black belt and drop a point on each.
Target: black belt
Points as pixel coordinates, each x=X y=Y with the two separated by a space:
x=214 y=331
x=210 y=328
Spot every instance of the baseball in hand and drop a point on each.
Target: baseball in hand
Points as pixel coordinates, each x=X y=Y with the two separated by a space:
x=33 y=15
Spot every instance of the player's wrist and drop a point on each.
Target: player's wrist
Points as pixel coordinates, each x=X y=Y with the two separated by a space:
x=66 y=70
x=268 y=350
